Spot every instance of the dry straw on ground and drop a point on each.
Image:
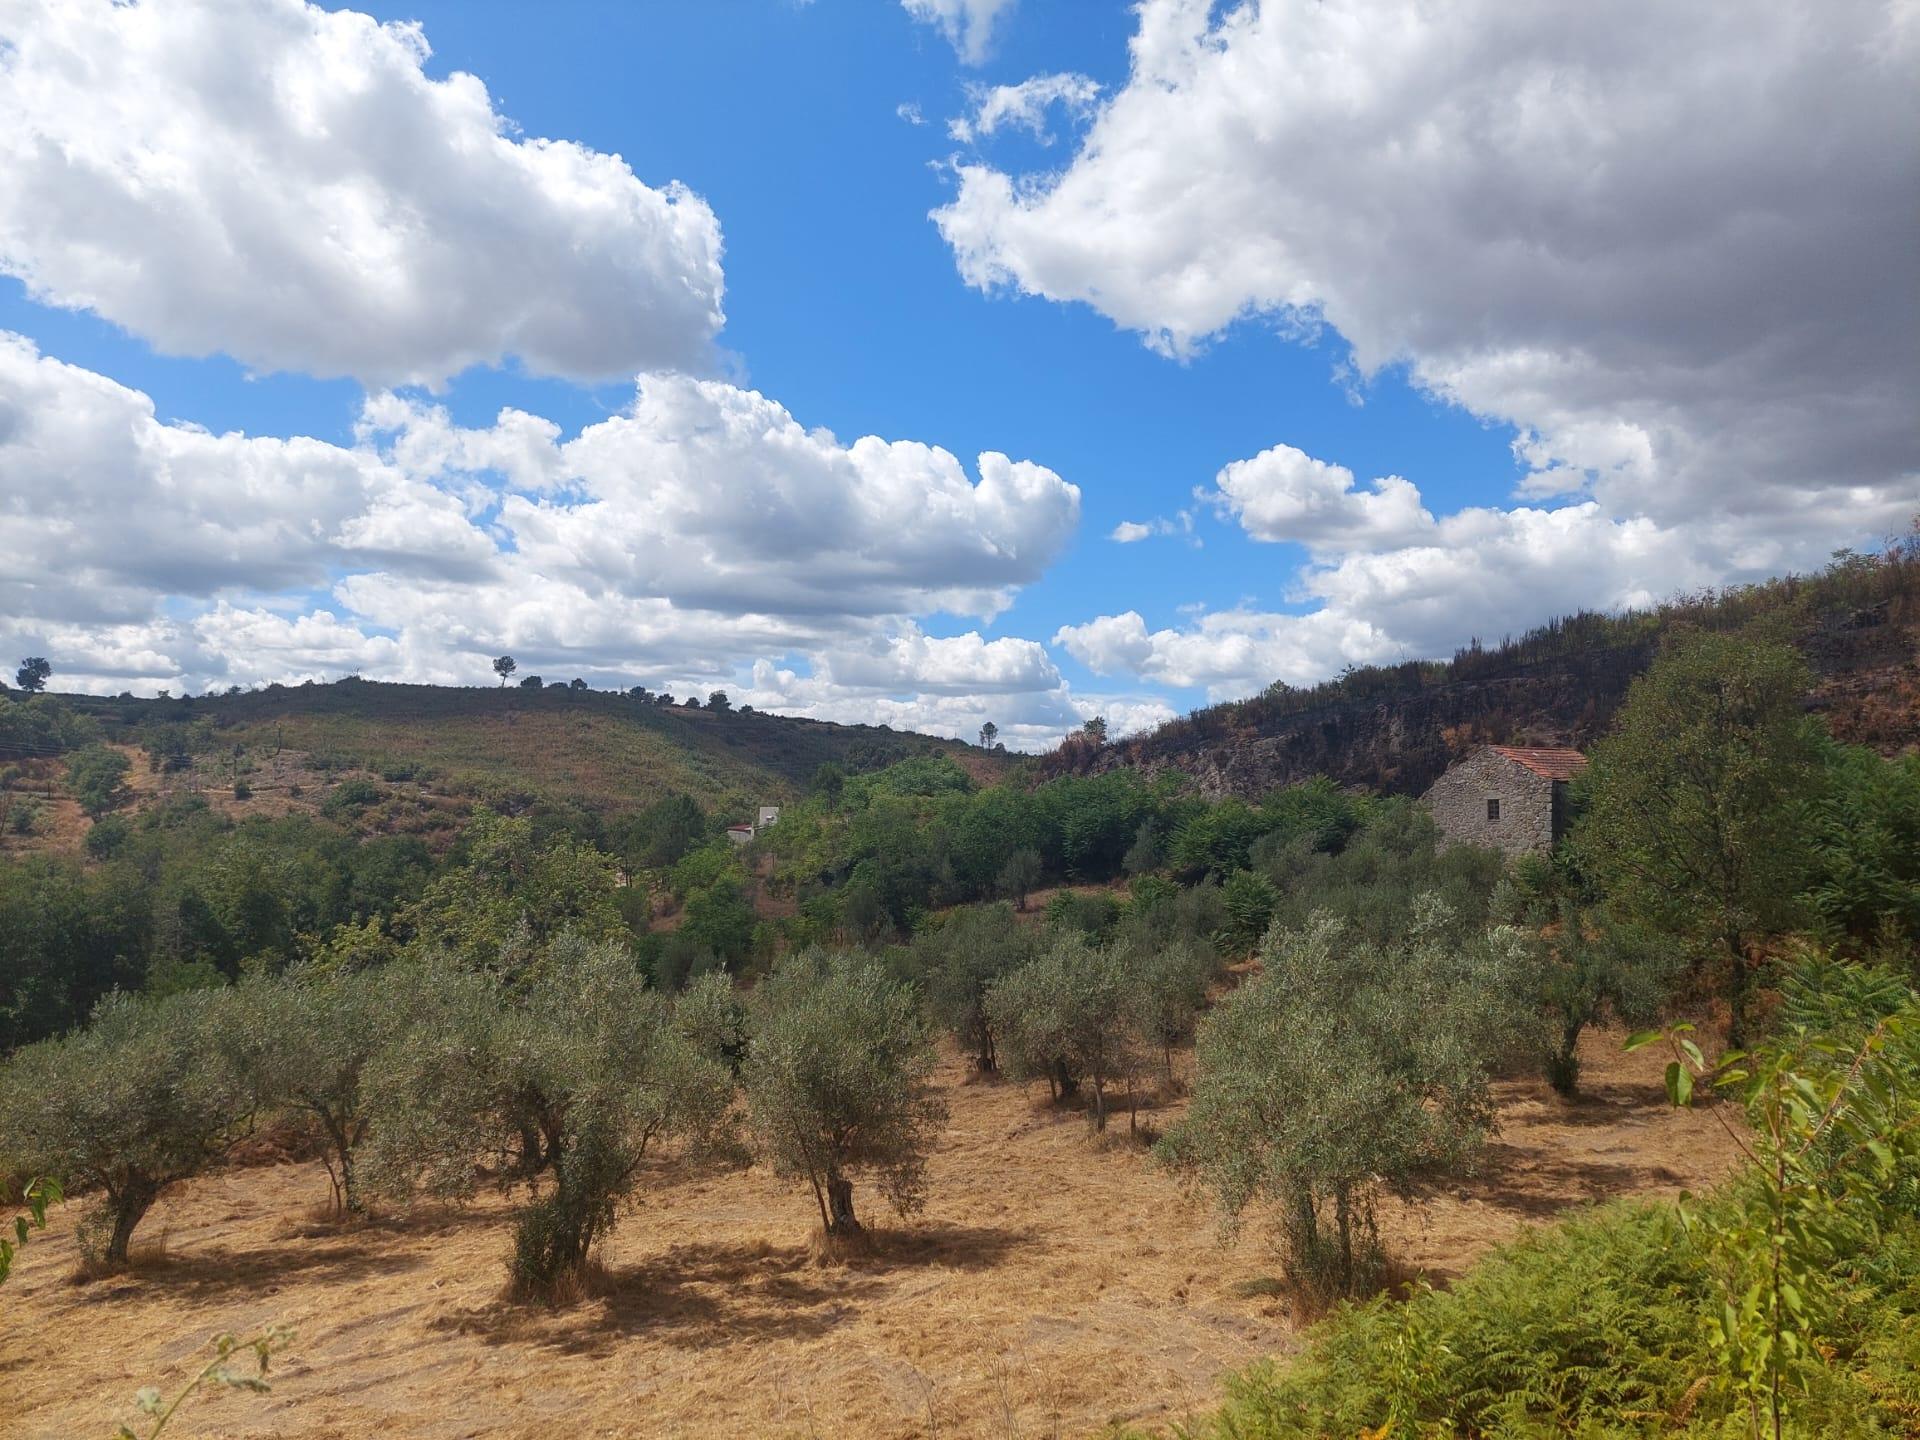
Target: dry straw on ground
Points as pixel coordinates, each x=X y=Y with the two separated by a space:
x=1051 y=1287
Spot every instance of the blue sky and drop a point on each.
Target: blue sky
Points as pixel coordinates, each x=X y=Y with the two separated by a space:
x=1320 y=295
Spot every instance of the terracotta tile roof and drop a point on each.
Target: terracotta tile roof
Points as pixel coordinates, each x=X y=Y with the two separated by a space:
x=1550 y=762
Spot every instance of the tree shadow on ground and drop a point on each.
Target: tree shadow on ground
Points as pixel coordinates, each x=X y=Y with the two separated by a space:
x=697 y=1295
x=1538 y=1185
x=202 y=1273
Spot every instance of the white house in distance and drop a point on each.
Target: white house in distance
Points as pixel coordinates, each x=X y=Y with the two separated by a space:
x=1510 y=797
x=742 y=834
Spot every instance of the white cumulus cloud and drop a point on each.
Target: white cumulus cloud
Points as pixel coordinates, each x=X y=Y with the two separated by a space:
x=287 y=185
x=673 y=544
x=1669 y=244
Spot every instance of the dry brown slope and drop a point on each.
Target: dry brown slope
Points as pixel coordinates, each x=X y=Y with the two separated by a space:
x=1048 y=1289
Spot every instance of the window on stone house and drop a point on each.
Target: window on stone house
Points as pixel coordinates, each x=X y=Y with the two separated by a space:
x=1493 y=809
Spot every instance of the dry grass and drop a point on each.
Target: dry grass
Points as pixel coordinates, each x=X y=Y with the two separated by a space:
x=1051 y=1286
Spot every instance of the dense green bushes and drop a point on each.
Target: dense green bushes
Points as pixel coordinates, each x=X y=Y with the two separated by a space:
x=1789 y=1299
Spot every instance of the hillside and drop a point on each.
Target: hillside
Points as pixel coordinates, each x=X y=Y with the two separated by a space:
x=430 y=753
x=1395 y=728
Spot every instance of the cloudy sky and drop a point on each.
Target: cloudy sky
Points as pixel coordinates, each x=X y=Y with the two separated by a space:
x=933 y=361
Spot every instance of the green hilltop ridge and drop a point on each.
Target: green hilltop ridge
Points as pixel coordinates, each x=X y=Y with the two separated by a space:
x=607 y=752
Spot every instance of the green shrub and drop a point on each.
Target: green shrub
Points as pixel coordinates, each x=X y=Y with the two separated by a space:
x=95 y=778
x=352 y=796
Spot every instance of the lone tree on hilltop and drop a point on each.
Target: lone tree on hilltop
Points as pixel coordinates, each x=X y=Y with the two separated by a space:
x=989 y=732
x=504 y=668
x=836 y=1082
x=718 y=701
x=33 y=673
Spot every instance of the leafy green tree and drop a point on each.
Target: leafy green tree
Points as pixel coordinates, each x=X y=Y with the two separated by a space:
x=718 y=701
x=1169 y=979
x=1019 y=876
x=141 y=1099
x=719 y=919
x=836 y=1082
x=504 y=666
x=1346 y=1068
x=1069 y=1014
x=989 y=733
x=1692 y=819
x=587 y=1058
x=94 y=778
x=957 y=964
x=511 y=890
x=828 y=781
x=1147 y=853
x=711 y=1014
x=33 y=674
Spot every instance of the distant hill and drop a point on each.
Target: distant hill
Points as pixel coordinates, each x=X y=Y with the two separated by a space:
x=1395 y=728
x=419 y=757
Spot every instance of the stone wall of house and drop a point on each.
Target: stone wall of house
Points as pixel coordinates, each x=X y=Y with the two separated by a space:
x=1458 y=802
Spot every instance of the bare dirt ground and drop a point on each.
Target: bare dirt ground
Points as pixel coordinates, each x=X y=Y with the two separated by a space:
x=1052 y=1286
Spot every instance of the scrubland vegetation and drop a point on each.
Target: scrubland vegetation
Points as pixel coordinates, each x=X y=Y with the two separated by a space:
x=570 y=1018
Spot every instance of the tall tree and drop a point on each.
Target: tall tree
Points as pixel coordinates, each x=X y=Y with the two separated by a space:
x=504 y=668
x=1692 y=819
x=989 y=732
x=33 y=674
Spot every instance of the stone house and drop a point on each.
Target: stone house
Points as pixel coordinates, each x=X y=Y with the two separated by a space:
x=1510 y=797
x=740 y=834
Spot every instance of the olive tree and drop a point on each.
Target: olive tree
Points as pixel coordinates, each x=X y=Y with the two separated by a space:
x=1589 y=967
x=1070 y=1015
x=306 y=1038
x=584 y=1056
x=1169 y=979
x=1349 y=1066
x=836 y=1082
x=957 y=964
x=141 y=1099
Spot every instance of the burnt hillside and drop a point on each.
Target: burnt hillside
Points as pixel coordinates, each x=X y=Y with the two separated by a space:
x=1395 y=728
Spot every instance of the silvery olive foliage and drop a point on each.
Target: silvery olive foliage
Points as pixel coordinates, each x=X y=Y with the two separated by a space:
x=579 y=1071
x=836 y=1082
x=1348 y=1067
x=144 y=1097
